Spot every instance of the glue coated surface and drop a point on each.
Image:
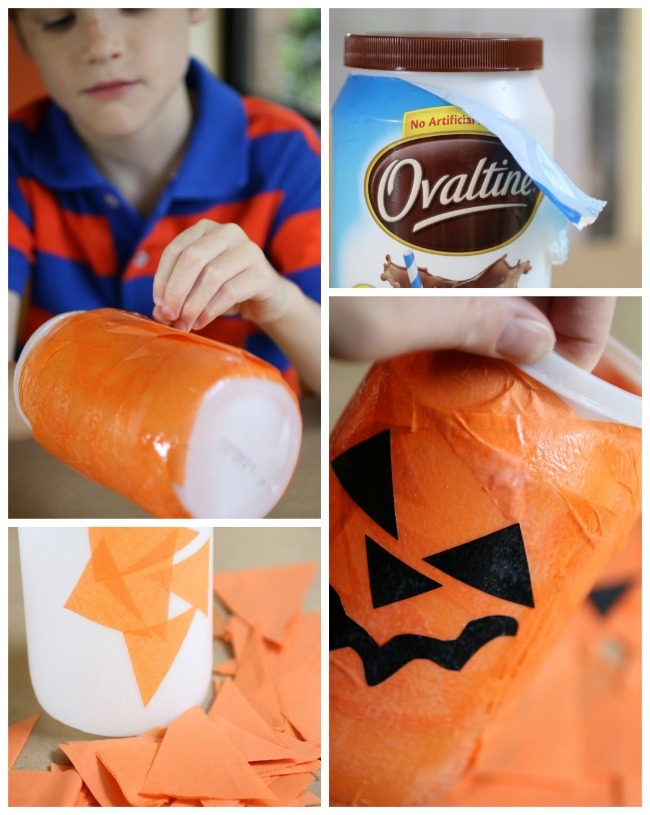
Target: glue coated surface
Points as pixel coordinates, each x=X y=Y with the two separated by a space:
x=117 y=396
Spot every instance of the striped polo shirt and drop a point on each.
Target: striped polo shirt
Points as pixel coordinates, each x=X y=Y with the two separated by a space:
x=75 y=243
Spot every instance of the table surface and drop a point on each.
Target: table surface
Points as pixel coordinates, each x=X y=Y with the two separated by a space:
x=41 y=486
x=234 y=549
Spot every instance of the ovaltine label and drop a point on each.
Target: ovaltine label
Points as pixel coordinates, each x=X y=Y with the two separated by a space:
x=483 y=202
x=429 y=182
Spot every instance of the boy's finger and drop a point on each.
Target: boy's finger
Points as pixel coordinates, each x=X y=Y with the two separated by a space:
x=213 y=277
x=180 y=265
x=159 y=317
x=235 y=290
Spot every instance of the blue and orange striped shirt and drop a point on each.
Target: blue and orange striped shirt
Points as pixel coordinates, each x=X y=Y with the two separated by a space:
x=75 y=243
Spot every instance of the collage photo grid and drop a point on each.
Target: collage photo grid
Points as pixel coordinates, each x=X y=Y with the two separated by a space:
x=324 y=407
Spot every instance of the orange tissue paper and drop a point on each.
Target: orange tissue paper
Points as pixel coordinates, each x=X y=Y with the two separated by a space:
x=181 y=425
x=253 y=743
x=471 y=512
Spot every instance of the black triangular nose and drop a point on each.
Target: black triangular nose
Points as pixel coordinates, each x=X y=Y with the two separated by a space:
x=604 y=598
x=391 y=579
x=365 y=474
x=495 y=563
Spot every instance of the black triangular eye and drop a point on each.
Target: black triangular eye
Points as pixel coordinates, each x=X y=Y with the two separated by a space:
x=391 y=579
x=604 y=598
x=365 y=474
x=495 y=564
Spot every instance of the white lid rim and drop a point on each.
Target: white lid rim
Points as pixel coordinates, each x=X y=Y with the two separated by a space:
x=590 y=396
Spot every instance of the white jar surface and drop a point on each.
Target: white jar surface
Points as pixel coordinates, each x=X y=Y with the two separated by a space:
x=119 y=623
x=412 y=174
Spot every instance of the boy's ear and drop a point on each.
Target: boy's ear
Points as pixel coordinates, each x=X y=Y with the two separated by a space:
x=198 y=15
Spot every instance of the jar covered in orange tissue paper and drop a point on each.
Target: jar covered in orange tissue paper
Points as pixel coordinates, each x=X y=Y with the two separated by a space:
x=471 y=509
x=183 y=426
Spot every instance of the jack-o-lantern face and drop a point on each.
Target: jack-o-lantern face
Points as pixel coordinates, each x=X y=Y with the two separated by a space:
x=494 y=563
x=471 y=511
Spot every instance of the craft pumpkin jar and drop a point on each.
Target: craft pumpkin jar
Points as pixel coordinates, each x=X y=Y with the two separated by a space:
x=183 y=426
x=471 y=510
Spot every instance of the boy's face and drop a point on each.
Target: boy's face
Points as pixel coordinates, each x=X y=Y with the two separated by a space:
x=112 y=70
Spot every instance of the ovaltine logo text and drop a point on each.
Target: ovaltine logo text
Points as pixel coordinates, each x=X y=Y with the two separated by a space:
x=454 y=194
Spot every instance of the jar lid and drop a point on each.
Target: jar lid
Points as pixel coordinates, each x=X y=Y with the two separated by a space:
x=443 y=52
x=590 y=396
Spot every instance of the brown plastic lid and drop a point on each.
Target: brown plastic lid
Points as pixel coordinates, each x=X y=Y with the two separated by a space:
x=443 y=52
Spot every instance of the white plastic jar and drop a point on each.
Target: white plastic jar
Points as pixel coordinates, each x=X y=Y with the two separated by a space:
x=182 y=426
x=118 y=623
x=422 y=194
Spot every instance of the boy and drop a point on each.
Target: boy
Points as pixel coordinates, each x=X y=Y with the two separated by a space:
x=147 y=184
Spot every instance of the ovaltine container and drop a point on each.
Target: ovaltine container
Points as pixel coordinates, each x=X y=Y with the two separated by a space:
x=181 y=425
x=118 y=622
x=414 y=174
x=472 y=508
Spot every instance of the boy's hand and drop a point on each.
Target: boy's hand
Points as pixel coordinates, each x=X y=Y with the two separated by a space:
x=212 y=269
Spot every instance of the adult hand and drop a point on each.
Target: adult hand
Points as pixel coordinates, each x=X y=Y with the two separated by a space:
x=506 y=327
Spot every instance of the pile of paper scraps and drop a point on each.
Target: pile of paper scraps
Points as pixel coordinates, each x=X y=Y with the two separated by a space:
x=258 y=744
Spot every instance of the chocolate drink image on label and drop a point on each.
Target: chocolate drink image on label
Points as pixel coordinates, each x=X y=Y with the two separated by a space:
x=498 y=275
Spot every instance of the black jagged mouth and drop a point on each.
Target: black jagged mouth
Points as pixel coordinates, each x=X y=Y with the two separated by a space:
x=381 y=662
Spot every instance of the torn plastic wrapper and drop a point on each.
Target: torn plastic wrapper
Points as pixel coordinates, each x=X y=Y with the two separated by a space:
x=180 y=425
x=579 y=208
x=471 y=511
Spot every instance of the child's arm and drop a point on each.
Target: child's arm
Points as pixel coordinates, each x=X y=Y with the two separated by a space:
x=211 y=269
x=18 y=430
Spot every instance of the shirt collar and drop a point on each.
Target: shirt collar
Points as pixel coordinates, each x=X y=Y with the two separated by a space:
x=215 y=161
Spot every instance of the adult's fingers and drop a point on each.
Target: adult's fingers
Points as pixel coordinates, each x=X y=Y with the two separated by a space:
x=581 y=324
x=506 y=327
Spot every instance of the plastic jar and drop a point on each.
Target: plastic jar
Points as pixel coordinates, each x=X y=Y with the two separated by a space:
x=412 y=173
x=472 y=507
x=183 y=426
x=118 y=623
